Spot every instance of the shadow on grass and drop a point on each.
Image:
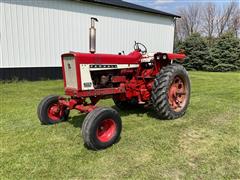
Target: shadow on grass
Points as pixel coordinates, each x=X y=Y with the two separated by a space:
x=77 y=121
x=138 y=111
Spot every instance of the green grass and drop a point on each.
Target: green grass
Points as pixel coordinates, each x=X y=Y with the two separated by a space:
x=204 y=144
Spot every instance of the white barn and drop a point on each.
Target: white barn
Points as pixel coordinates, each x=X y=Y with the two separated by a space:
x=34 y=33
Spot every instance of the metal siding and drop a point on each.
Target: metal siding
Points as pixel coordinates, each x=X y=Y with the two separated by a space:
x=34 y=33
x=1 y=28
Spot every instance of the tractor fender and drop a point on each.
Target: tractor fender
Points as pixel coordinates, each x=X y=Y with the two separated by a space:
x=173 y=56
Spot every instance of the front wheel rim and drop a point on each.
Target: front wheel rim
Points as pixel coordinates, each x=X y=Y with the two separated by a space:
x=177 y=94
x=55 y=112
x=106 y=130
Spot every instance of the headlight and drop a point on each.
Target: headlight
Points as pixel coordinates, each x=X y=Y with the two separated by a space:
x=164 y=57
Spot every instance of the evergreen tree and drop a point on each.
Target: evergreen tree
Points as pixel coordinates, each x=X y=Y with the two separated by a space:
x=225 y=53
x=196 y=50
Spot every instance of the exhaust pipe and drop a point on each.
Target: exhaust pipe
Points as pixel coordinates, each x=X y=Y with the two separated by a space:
x=92 y=36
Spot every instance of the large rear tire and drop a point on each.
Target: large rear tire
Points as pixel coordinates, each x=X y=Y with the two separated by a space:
x=101 y=128
x=171 y=92
x=50 y=112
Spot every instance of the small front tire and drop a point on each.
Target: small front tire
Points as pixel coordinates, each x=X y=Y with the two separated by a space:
x=50 y=111
x=101 y=128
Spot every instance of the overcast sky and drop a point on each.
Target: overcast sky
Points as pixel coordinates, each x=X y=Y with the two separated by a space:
x=173 y=5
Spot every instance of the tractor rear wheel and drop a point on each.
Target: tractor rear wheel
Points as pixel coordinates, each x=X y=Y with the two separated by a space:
x=101 y=128
x=171 y=92
x=50 y=111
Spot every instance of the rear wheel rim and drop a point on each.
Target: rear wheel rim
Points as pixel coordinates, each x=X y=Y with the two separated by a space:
x=177 y=94
x=55 y=112
x=106 y=130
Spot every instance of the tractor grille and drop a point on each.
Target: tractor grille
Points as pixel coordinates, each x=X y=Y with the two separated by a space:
x=70 y=72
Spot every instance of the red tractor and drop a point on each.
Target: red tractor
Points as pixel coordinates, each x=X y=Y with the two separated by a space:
x=139 y=78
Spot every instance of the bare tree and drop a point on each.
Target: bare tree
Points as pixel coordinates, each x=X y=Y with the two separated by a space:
x=189 y=22
x=228 y=14
x=234 y=22
x=209 y=20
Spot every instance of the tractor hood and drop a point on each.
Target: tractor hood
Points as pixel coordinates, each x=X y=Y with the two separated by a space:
x=87 y=58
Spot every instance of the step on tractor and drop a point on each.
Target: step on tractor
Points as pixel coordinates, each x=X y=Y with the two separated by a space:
x=137 y=79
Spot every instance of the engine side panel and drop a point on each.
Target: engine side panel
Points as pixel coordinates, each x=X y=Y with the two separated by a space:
x=87 y=69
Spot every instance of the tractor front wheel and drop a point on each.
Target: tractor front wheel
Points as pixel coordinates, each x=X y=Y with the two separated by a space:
x=50 y=111
x=101 y=128
x=171 y=92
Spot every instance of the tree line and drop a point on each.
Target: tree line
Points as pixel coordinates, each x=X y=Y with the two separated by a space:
x=209 y=35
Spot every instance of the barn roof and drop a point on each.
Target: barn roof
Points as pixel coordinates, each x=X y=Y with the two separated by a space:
x=127 y=5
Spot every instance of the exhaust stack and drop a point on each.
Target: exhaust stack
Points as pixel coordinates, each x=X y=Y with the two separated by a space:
x=92 y=36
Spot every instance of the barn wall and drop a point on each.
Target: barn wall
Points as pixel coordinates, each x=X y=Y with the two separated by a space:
x=35 y=32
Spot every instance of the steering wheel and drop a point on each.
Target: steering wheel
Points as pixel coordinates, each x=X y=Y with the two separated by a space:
x=137 y=48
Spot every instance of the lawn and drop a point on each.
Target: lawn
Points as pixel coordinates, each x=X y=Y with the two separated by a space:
x=204 y=144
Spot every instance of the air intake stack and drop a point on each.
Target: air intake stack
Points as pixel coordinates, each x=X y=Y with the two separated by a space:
x=92 y=36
